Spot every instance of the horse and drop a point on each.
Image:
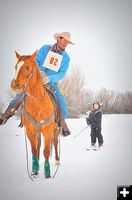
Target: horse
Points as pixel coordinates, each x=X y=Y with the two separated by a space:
x=38 y=115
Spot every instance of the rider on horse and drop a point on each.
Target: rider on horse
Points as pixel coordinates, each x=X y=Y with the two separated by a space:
x=53 y=62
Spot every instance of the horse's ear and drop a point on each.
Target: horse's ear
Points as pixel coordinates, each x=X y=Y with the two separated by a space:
x=17 y=55
x=33 y=56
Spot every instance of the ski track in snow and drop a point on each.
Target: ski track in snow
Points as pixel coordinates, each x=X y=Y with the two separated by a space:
x=87 y=175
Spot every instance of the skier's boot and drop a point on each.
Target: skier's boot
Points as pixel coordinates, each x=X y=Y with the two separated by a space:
x=100 y=146
x=93 y=146
x=9 y=112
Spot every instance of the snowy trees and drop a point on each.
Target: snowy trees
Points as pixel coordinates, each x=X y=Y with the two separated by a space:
x=80 y=97
x=73 y=87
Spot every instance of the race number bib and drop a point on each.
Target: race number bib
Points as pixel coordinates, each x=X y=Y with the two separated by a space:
x=53 y=61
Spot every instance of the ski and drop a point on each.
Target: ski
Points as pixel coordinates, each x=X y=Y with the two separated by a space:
x=93 y=149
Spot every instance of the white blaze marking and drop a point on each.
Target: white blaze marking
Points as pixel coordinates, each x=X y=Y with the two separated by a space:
x=19 y=65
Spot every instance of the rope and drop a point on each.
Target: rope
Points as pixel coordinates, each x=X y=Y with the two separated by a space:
x=80 y=115
x=26 y=147
x=80 y=132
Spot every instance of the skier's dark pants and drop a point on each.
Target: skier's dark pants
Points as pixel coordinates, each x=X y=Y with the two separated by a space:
x=96 y=133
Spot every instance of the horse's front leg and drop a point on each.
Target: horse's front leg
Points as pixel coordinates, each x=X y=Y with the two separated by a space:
x=34 y=148
x=55 y=140
x=38 y=145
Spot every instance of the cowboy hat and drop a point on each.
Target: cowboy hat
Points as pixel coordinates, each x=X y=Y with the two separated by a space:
x=65 y=35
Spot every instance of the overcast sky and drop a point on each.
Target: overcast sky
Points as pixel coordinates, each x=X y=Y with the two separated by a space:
x=101 y=29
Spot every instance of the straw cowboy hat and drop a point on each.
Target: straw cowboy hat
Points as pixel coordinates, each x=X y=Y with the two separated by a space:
x=65 y=35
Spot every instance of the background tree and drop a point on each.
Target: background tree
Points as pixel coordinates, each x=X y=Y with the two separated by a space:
x=80 y=98
x=73 y=87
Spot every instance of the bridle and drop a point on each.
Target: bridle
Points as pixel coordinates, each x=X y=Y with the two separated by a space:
x=25 y=86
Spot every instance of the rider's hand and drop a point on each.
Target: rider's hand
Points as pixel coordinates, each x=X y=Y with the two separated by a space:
x=45 y=79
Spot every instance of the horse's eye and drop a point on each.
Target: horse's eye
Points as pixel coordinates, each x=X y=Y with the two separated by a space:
x=27 y=67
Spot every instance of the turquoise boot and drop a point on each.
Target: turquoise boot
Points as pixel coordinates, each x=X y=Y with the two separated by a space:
x=35 y=165
x=47 y=169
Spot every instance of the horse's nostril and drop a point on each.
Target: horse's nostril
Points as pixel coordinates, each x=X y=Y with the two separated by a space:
x=17 y=84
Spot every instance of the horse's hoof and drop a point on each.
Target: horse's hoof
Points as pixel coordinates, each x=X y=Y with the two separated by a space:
x=48 y=177
x=57 y=162
x=34 y=174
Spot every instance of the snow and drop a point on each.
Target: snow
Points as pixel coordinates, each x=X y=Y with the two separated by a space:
x=87 y=175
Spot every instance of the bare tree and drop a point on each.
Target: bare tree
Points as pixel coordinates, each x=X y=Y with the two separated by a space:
x=73 y=86
x=80 y=99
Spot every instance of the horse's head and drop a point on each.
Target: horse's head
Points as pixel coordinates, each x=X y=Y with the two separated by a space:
x=23 y=71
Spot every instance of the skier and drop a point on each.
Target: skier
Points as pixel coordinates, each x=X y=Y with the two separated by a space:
x=94 y=119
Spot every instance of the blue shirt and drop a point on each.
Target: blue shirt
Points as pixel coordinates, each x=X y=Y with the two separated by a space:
x=52 y=75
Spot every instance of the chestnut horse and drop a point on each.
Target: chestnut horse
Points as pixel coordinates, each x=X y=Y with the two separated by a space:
x=38 y=110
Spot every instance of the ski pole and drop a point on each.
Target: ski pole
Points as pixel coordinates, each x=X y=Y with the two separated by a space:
x=80 y=131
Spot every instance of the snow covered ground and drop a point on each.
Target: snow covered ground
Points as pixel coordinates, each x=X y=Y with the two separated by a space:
x=87 y=175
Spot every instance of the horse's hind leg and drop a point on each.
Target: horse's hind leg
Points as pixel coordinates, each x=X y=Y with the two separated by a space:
x=55 y=140
x=46 y=155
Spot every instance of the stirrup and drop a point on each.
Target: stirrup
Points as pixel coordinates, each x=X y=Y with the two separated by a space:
x=65 y=133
